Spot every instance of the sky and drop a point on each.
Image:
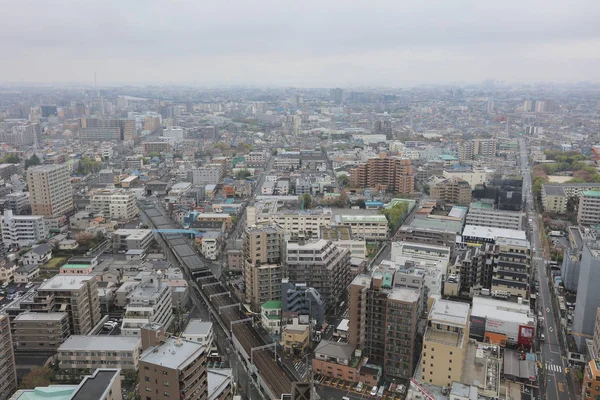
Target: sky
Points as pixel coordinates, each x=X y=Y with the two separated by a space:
x=303 y=43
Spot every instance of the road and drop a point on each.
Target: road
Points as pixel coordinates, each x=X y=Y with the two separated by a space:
x=552 y=376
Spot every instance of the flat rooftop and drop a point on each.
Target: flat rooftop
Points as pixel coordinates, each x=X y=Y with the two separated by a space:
x=174 y=353
x=95 y=386
x=449 y=312
x=407 y=295
x=485 y=232
x=198 y=327
x=66 y=282
x=133 y=233
x=39 y=316
x=102 y=342
x=484 y=306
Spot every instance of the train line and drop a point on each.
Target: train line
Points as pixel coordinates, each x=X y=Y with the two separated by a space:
x=224 y=307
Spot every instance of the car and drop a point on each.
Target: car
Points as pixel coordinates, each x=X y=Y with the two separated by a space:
x=359 y=387
x=542 y=337
x=345 y=398
x=374 y=391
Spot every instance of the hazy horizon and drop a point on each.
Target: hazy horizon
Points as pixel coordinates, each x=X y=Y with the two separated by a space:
x=307 y=45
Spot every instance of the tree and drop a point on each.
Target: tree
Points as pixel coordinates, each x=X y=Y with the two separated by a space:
x=243 y=174
x=305 y=201
x=153 y=154
x=395 y=214
x=344 y=180
x=11 y=159
x=32 y=161
x=88 y=166
x=38 y=376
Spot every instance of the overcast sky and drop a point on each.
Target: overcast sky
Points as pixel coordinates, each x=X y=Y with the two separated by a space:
x=303 y=43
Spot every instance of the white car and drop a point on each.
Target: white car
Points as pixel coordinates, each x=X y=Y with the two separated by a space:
x=374 y=391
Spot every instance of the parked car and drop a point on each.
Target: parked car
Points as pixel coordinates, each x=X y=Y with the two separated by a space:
x=374 y=391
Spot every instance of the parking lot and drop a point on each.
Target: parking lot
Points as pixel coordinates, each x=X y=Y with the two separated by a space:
x=337 y=388
x=12 y=292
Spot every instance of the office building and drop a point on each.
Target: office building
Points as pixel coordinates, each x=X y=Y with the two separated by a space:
x=50 y=190
x=301 y=299
x=8 y=383
x=591 y=377
x=17 y=202
x=588 y=297
x=103 y=351
x=263 y=252
x=321 y=265
x=102 y=384
x=149 y=302
x=23 y=230
x=588 y=212
x=208 y=174
x=387 y=173
x=114 y=204
x=132 y=239
x=156 y=147
x=512 y=267
x=481 y=215
x=336 y=95
x=176 y=369
x=453 y=190
x=383 y=321
x=445 y=342
x=501 y=321
x=106 y=129
x=38 y=331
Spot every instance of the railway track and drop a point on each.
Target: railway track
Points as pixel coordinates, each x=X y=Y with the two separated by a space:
x=271 y=373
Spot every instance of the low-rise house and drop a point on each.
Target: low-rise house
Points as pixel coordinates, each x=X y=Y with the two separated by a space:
x=271 y=316
x=339 y=360
x=26 y=273
x=39 y=255
x=7 y=271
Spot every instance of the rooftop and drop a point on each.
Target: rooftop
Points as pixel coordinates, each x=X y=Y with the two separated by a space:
x=407 y=295
x=198 y=327
x=554 y=190
x=38 y=316
x=174 y=353
x=272 y=305
x=485 y=232
x=103 y=342
x=501 y=310
x=591 y=193
x=66 y=282
x=218 y=380
x=364 y=218
x=335 y=349
x=449 y=312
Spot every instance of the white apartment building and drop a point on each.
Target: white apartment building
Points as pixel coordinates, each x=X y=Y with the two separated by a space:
x=150 y=301
x=292 y=222
x=23 y=230
x=211 y=245
x=367 y=227
x=116 y=204
x=174 y=134
x=589 y=208
x=91 y=352
x=494 y=218
x=201 y=332
x=209 y=174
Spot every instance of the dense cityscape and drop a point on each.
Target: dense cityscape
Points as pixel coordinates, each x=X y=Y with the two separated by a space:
x=435 y=242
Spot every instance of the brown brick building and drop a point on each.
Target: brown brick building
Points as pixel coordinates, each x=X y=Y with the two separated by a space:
x=453 y=190
x=387 y=173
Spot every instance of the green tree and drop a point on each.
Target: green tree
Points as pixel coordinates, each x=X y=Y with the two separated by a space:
x=305 y=201
x=395 y=215
x=38 y=376
x=11 y=159
x=153 y=154
x=344 y=180
x=243 y=174
x=88 y=166
x=32 y=161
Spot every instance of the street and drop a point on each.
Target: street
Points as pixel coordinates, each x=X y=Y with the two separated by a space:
x=552 y=376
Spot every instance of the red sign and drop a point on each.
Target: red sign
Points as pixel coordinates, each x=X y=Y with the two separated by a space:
x=526 y=333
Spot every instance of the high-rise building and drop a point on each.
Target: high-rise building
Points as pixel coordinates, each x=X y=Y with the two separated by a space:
x=445 y=342
x=101 y=129
x=453 y=190
x=321 y=265
x=263 y=249
x=383 y=321
x=391 y=173
x=49 y=111
x=588 y=296
x=174 y=369
x=50 y=190
x=19 y=133
x=149 y=302
x=302 y=300
x=588 y=212
x=336 y=95
x=8 y=382
x=511 y=268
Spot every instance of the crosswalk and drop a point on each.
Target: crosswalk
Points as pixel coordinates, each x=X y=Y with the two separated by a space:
x=553 y=367
x=302 y=369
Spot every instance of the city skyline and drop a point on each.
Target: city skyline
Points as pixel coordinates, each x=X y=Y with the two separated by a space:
x=310 y=44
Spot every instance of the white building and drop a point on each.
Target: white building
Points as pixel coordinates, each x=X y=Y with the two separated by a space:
x=201 y=332
x=211 y=245
x=115 y=204
x=368 y=227
x=150 y=301
x=474 y=177
x=39 y=255
x=174 y=134
x=208 y=174
x=494 y=218
x=23 y=230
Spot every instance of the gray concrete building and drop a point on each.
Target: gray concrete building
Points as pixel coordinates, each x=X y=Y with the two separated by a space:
x=588 y=296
